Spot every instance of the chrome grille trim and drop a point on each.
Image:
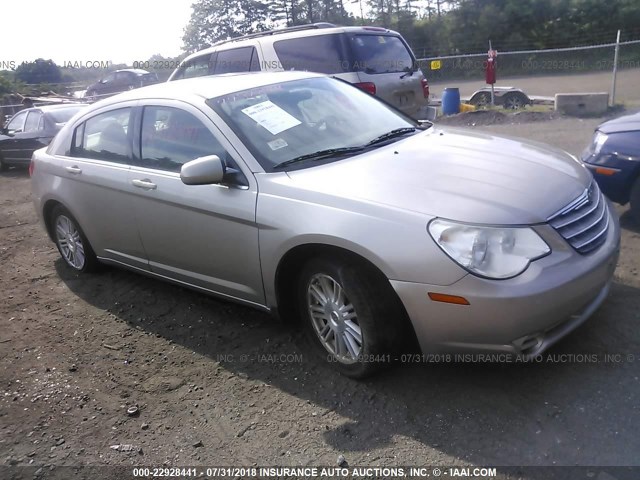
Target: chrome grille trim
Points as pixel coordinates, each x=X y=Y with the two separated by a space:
x=584 y=222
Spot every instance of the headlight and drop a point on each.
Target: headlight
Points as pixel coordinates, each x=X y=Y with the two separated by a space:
x=598 y=141
x=493 y=252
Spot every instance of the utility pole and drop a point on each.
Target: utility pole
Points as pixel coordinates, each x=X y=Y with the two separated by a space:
x=615 y=71
x=493 y=98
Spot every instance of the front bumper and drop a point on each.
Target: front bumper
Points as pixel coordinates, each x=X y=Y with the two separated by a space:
x=614 y=173
x=524 y=315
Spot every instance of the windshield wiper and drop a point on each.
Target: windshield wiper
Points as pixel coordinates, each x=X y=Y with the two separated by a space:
x=398 y=132
x=409 y=71
x=319 y=155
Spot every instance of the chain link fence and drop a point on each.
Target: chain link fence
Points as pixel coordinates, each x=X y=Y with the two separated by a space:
x=546 y=72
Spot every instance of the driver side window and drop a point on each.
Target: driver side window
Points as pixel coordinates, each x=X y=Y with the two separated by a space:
x=172 y=137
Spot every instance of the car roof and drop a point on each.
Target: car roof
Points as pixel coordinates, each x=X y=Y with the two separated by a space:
x=287 y=34
x=207 y=87
x=137 y=71
x=51 y=108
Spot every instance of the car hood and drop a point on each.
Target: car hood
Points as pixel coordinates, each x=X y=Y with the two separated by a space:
x=625 y=123
x=457 y=174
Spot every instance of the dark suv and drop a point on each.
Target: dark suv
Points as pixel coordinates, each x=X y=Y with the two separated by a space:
x=120 y=81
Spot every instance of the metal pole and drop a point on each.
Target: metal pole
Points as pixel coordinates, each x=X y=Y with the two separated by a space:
x=492 y=92
x=615 y=71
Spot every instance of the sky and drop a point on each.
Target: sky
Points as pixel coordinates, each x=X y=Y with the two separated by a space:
x=120 y=31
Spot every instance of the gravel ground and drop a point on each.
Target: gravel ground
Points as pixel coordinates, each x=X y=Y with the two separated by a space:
x=219 y=384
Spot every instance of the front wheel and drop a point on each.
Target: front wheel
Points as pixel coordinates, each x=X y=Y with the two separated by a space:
x=71 y=241
x=349 y=314
x=480 y=100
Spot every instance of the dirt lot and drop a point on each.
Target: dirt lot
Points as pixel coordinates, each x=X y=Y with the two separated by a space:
x=219 y=384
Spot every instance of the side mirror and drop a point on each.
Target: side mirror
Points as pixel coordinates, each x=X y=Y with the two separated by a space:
x=4 y=131
x=202 y=171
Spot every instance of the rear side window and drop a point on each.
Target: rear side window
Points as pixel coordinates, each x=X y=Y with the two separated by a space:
x=104 y=137
x=196 y=67
x=33 y=120
x=243 y=59
x=148 y=78
x=380 y=54
x=318 y=53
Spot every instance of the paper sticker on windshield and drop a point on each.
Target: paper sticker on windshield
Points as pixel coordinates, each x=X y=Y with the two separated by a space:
x=271 y=117
x=277 y=144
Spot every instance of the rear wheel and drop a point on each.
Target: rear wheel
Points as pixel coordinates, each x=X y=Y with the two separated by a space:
x=349 y=315
x=514 y=101
x=635 y=200
x=71 y=241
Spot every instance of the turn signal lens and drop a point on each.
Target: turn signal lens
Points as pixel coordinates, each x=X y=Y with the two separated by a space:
x=606 y=171
x=443 y=297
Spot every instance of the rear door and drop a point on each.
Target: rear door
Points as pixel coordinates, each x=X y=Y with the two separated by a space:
x=95 y=186
x=25 y=140
x=32 y=138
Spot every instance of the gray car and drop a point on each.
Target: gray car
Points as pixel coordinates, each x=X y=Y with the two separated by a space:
x=301 y=195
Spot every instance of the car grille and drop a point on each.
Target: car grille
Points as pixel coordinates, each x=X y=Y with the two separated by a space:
x=584 y=222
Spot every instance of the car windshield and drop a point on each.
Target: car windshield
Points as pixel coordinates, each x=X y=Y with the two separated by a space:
x=63 y=115
x=310 y=119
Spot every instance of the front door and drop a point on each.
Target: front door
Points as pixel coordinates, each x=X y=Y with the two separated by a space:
x=203 y=235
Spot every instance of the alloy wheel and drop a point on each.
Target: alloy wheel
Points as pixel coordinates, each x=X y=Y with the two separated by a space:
x=70 y=242
x=334 y=318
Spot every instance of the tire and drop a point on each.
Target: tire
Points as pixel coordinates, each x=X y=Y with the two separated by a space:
x=634 y=199
x=350 y=316
x=514 y=101
x=71 y=241
x=3 y=166
x=482 y=99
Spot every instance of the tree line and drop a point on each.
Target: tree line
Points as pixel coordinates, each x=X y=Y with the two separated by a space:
x=432 y=27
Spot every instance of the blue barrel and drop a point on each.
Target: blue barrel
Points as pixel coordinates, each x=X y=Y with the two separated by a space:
x=450 y=101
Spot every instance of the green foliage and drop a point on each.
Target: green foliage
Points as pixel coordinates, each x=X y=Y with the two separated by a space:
x=5 y=85
x=40 y=71
x=432 y=27
x=213 y=20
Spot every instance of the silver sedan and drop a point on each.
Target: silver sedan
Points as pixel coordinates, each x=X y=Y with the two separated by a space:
x=301 y=195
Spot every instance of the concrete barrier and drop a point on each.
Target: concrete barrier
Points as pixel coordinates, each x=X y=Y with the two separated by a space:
x=582 y=104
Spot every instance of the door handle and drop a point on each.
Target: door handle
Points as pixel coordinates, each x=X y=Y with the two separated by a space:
x=75 y=170
x=145 y=183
